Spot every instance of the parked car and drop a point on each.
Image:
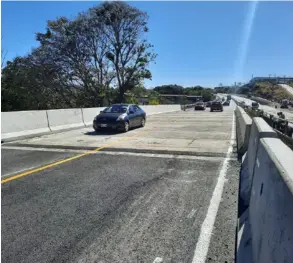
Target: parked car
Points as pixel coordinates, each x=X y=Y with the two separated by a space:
x=226 y=103
x=120 y=117
x=199 y=106
x=216 y=105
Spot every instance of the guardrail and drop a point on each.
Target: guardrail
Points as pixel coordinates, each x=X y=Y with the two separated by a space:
x=265 y=230
x=187 y=106
x=281 y=125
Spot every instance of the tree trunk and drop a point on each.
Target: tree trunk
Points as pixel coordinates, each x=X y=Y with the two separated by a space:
x=121 y=94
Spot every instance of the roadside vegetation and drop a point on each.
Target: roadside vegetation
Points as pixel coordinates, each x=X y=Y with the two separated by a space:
x=92 y=60
x=267 y=90
x=100 y=57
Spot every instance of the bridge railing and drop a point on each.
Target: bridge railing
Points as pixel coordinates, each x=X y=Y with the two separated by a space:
x=265 y=230
x=282 y=126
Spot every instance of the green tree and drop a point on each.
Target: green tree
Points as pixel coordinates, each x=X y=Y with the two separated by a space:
x=130 y=54
x=80 y=61
x=27 y=86
x=169 y=89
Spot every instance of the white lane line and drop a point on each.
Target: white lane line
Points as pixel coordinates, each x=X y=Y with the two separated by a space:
x=192 y=213
x=186 y=157
x=158 y=260
x=204 y=239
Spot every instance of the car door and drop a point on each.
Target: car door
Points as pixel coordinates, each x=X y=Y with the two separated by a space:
x=139 y=115
x=131 y=116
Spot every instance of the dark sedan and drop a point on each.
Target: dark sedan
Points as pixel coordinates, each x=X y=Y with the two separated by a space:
x=216 y=105
x=120 y=117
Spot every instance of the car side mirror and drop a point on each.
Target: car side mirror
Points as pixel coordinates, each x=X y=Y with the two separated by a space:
x=101 y=111
x=131 y=112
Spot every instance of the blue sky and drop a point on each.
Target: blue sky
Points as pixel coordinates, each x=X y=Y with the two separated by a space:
x=198 y=43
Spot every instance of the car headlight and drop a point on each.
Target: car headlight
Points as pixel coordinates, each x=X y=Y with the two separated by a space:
x=121 y=117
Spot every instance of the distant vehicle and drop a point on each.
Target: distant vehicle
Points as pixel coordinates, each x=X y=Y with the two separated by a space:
x=199 y=106
x=254 y=105
x=208 y=104
x=228 y=97
x=216 y=105
x=226 y=103
x=120 y=117
x=284 y=104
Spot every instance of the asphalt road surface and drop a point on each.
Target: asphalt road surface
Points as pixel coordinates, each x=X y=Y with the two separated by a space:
x=163 y=193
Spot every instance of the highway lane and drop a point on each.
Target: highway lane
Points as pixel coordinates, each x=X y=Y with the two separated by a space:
x=16 y=161
x=266 y=108
x=198 y=133
x=144 y=199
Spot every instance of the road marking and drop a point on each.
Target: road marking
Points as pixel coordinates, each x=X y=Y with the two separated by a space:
x=24 y=148
x=158 y=260
x=41 y=168
x=154 y=155
x=204 y=239
x=22 y=170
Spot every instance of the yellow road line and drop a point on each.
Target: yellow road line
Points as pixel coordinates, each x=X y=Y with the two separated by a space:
x=8 y=179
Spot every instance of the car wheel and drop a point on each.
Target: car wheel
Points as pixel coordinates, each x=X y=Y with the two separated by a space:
x=211 y=110
x=126 y=126
x=142 y=124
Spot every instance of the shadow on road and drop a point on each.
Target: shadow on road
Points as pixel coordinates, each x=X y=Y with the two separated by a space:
x=104 y=132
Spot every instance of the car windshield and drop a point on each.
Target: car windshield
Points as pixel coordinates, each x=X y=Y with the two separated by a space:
x=199 y=103
x=116 y=109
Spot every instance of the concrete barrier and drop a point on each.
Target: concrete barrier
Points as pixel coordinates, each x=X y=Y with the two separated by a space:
x=157 y=109
x=63 y=119
x=89 y=114
x=23 y=124
x=243 y=125
x=20 y=124
x=271 y=202
x=259 y=129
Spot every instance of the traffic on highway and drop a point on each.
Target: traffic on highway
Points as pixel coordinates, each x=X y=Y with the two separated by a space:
x=120 y=117
x=141 y=196
x=146 y=132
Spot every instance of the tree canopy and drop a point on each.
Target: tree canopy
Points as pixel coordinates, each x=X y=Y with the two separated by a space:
x=91 y=60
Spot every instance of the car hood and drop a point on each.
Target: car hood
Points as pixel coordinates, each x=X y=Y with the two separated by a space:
x=108 y=116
